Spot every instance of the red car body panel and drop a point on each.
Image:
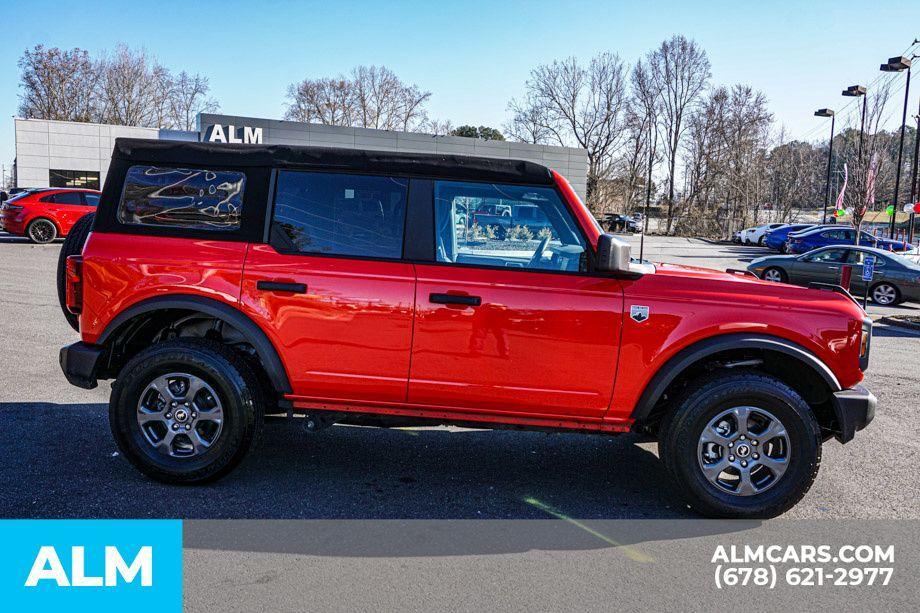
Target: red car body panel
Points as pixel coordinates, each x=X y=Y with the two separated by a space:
x=349 y=336
x=121 y=270
x=688 y=305
x=544 y=349
x=64 y=216
x=540 y=344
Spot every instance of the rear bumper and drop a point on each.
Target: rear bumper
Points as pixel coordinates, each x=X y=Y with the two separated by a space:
x=9 y=223
x=855 y=408
x=81 y=364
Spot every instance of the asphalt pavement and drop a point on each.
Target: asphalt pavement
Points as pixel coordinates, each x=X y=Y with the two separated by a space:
x=60 y=460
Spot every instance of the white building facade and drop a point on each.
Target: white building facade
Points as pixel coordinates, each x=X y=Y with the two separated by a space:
x=74 y=154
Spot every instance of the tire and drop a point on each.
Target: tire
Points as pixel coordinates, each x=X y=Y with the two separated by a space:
x=41 y=231
x=681 y=448
x=239 y=400
x=775 y=274
x=760 y=241
x=885 y=294
x=73 y=245
x=783 y=248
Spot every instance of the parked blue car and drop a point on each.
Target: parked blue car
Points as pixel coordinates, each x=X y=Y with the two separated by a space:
x=776 y=239
x=800 y=242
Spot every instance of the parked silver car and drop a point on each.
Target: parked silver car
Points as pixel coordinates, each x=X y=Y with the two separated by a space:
x=896 y=278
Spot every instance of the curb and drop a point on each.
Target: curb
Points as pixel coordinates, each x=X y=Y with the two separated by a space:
x=901 y=323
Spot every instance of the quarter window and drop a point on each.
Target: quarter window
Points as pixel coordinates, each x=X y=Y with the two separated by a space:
x=506 y=226
x=339 y=214
x=185 y=198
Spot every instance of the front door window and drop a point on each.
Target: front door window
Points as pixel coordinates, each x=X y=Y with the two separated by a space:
x=506 y=226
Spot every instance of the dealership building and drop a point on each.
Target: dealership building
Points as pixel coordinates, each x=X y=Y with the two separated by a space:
x=76 y=154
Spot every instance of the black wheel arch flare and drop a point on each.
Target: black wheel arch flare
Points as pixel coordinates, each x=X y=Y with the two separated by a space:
x=700 y=350
x=264 y=348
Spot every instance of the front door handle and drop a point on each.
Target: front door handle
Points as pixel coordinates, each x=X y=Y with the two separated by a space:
x=463 y=299
x=281 y=286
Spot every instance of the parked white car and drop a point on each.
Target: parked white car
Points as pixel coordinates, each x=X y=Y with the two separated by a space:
x=755 y=235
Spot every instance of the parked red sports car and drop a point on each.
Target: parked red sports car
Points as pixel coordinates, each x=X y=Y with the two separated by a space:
x=42 y=215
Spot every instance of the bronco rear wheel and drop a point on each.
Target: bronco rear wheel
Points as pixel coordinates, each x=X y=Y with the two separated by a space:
x=741 y=445
x=186 y=411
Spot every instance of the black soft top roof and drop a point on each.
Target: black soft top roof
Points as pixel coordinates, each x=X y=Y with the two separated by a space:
x=459 y=167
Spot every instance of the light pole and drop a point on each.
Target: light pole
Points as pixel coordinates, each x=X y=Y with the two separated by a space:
x=830 y=157
x=898 y=64
x=914 y=185
x=855 y=91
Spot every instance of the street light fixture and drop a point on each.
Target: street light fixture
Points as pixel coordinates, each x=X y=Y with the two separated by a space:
x=898 y=64
x=830 y=157
x=855 y=91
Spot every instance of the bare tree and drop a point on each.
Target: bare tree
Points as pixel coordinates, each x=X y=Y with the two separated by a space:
x=371 y=97
x=681 y=70
x=384 y=102
x=582 y=106
x=641 y=151
x=437 y=127
x=326 y=101
x=724 y=156
x=134 y=89
x=188 y=97
x=57 y=84
x=528 y=122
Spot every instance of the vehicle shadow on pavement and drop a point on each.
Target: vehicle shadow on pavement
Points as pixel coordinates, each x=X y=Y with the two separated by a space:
x=894 y=332
x=60 y=461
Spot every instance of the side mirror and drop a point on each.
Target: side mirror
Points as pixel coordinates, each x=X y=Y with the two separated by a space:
x=612 y=254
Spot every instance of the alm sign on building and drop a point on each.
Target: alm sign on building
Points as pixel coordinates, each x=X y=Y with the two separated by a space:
x=217 y=133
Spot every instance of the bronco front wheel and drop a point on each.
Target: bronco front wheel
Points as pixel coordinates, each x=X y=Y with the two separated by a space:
x=186 y=411
x=741 y=445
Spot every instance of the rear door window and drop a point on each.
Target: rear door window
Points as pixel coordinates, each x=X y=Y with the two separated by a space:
x=91 y=199
x=187 y=198
x=339 y=214
x=64 y=198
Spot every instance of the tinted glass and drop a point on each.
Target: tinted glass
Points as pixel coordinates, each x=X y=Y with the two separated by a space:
x=511 y=226
x=339 y=214
x=182 y=198
x=828 y=255
x=91 y=199
x=73 y=178
x=859 y=257
x=67 y=198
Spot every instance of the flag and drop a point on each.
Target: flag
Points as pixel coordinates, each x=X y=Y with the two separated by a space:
x=843 y=188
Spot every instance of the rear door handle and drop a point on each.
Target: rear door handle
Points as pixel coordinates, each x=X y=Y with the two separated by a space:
x=473 y=301
x=281 y=286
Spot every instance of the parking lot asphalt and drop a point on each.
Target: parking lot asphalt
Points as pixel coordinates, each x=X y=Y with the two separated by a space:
x=59 y=459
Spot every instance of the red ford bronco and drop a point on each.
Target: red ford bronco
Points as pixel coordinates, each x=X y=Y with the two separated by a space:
x=220 y=283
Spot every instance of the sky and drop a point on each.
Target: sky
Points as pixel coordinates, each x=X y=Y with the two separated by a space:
x=473 y=56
